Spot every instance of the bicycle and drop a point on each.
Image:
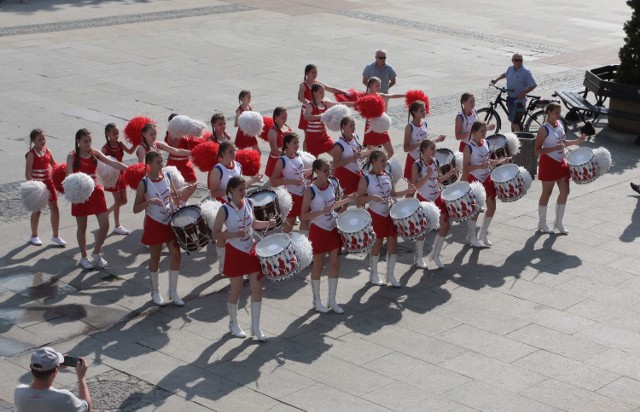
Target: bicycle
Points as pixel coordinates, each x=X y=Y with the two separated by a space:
x=532 y=118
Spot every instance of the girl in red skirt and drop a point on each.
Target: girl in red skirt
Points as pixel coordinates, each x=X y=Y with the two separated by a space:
x=376 y=188
x=115 y=148
x=426 y=178
x=317 y=139
x=553 y=168
x=415 y=133
x=218 y=128
x=39 y=164
x=243 y=141
x=150 y=143
x=346 y=154
x=476 y=168
x=237 y=216
x=275 y=137
x=155 y=196
x=85 y=159
x=372 y=138
x=289 y=171
x=318 y=207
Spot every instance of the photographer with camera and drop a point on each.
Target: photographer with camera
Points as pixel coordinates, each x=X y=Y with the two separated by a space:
x=41 y=396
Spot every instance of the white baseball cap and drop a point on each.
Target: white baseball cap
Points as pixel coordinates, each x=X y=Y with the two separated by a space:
x=46 y=359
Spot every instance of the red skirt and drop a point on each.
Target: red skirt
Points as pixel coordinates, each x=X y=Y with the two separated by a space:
x=462 y=145
x=243 y=141
x=408 y=167
x=185 y=167
x=119 y=186
x=550 y=170
x=383 y=225
x=296 y=209
x=156 y=233
x=302 y=123
x=53 y=194
x=239 y=263
x=324 y=241
x=441 y=205
x=271 y=164
x=372 y=138
x=348 y=180
x=488 y=185
x=95 y=205
x=318 y=143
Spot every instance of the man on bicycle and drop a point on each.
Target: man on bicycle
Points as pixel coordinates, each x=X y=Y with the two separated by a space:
x=519 y=83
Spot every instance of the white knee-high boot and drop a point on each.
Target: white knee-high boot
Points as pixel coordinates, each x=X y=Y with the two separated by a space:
x=391 y=265
x=484 y=232
x=234 y=327
x=220 y=251
x=542 y=220
x=333 y=289
x=155 y=289
x=418 y=259
x=373 y=276
x=173 y=288
x=558 y=222
x=256 y=308
x=435 y=253
x=473 y=237
x=317 y=301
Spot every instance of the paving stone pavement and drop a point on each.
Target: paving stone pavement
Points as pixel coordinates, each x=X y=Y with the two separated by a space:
x=536 y=322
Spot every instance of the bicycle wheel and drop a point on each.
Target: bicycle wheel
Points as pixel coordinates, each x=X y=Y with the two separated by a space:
x=534 y=122
x=490 y=117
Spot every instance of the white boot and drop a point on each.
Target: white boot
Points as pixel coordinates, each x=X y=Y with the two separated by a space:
x=435 y=253
x=173 y=288
x=220 y=251
x=418 y=259
x=333 y=288
x=373 y=276
x=256 y=307
x=558 y=221
x=484 y=232
x=542 y=220
x=155 y=289
x=234 y=327
x=317 y=301
x=473 y=239
x=391 y=265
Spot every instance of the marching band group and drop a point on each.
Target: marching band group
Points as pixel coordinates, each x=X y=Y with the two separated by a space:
x=345 y=172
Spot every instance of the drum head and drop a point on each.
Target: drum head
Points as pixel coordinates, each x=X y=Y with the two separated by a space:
x=185 y=216
x=579 y=156
x=353 y=220
x=444 y=156
x=455 y=191
x=497 y=141
x=262 y=197
x=404 y=208
x=272 y=245
x=504 y=173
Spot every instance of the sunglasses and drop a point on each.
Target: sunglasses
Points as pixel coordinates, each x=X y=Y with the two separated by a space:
x=381 y=57
x=516 y=60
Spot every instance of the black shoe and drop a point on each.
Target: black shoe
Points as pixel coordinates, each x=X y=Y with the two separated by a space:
x=635 y=187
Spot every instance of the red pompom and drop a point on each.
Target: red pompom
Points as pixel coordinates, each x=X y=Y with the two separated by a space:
x=133 y=129
x=205 y=155
x=134 y=174
x=250 y=161
x=352 y=96
x=370 y=106
x=58 y=175
x=206 y=135
x=193 y=141
x=414 y=96
x=268 y=124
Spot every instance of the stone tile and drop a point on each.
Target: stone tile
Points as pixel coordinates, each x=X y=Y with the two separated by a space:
x=624 y=389
x=614 y=337
x=399 y=396
x=481 y=318
x=348 y=347
x=618 y=361
x=173 y=403
x=482 y=396
x=321 y=397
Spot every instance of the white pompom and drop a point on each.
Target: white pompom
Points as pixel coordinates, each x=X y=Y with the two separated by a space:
x=176 y=177
x=285 y=201
x=251 y=123
x=479 y=192
x=35 y=195
x=209 y=210
x=108 y=175
x=513 y=143
x=395 y=168
x=433 y=214
x=307 y=159
x=380 y=124
x=459 y=158
x=603 y=159
x=185 y=126
x=334 y=116
x=78 y=187
x=526 y=178
x=303 y=250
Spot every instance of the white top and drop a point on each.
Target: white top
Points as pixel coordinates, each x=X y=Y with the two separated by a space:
x=317 y=126
x=479 y=155
x=430 y=190
x=240 y=219
x=227 y=173
x=418 y=134
x=379 y=185
x=46 y=400
x=555 y=135
x=161 y=190
x=320 y=200
x=467 y=122
x=349 y=149
x=293 y=169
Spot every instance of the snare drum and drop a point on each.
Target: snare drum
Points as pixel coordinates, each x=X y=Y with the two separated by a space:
x=582 y=165
x=508 y=182
x=277 y=258
x=446 y=161
x=460 y=201
x=356 y=230
x=265 y=206
x=498 y=147
x=409 y=218
x=190 y=228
